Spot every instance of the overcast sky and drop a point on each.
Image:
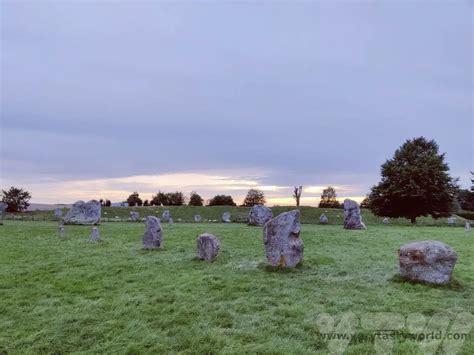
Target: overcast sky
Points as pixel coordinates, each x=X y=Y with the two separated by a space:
x=100 y=99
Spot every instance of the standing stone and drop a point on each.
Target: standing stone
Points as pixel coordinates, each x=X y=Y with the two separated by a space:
x=451 y=221
x=3 y=207
x=197 y=218
x=352 y=217
x=166 y=216
x=386 y=220
x=259 y=215
x=134 y=216
x=170 y=221
x=153 y=235
x=427 y=261
x=95 y=236
x=281 y=237
x=58 y=213
x=226 y=217
x=61 y=232
x=83 y=213
x=208 y=247
x=467 y=226
x=323 y=219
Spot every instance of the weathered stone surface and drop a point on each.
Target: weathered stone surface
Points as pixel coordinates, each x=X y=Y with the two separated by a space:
x=323 y=219
x=208 y=246
x=281 y=237
x=226 y=217
x=197 y=218
x=386 y=220
x=153 y=236
x=95 y=235
x=166 y=216
x=427 y=261
x=467 y=226
x=134 y=216
x=83 y=213
x=352 y=217
x=259 y=215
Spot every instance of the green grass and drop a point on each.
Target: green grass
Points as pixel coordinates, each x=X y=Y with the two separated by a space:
x=309 y=215
x=69 y=296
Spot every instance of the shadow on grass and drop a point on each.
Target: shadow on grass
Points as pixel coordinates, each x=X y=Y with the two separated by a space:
x=453 y=285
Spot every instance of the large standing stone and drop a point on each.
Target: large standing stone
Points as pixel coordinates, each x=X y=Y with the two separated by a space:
x=352 y=217
x=323 y=219
x=134 y=216
x=208 y=246
x=83 y=213
x=197 y=218
x=259 y=215
x=95 y=236
x=281 y=237
x=153 y=235
x=226 y=217
x=427 y=261
x=166 y=216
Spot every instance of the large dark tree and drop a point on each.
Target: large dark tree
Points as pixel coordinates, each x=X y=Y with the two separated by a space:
x=254 y=197
x=134 y=200
x=195 y=199
x=16 y=198
x=168 y=199
x=415 y=182
x=221 y=200
x=297 y=191
x=328 y=198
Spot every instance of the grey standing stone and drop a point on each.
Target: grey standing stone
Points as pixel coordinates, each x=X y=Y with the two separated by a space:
x=61 y=232
x=3 y=207
x=281 y=237
x=226 y=217
x=95 y=236
x=323 y=219
x=259 y=215
x=166 y=215
x=208 y=247
x=83 y=213
x=352 y=217
x=170 y=221
x=467 y=226
x=134 y=216
x=58 y=213
x=386 y=220
x=153 y=237
x=197 y=218
x=452 y=221
x=427 y=261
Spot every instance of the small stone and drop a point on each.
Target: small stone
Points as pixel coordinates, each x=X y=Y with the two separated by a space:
x=197 y=218
x=386 y=220
x=134 y=216
x=281 y=238
x=428 y=261
x=323 y=219
x=208 y=247
x=58 y=213
x=451 y=221
x=467 y=226
x=226 y=217
x=352 y=217
x=61 y=232
x=170 y=221
x=153 y=237
x=166 y=215
x=259 y=215
x=95 y=236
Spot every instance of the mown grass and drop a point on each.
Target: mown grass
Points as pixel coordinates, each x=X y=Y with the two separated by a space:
x=112 y=297
x=309 y=215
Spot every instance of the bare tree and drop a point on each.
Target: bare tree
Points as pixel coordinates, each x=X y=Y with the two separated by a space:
x=297 y=194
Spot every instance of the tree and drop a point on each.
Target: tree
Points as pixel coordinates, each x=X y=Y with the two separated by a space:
x=221 y=200
x=297 y=194
x=195 y=199
x=146 y=203
x=415 y=182
x=168 y=199
x=16 y=198
x=328 y=198
x=108 y=203
x=365 y=203
x=134 y=200
x=254 y=197
x=159 y=199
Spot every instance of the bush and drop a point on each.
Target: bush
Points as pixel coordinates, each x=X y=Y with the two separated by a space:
x=221 y=200
x=168 y=199
x=195 y=199
x=134 y=200
x=254 y=197
x=16 y=198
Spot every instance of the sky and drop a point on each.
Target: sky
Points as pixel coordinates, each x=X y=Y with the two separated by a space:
x=103 y=98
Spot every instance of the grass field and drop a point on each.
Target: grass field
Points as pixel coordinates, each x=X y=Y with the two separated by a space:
x=309 y=215
x=112 y=297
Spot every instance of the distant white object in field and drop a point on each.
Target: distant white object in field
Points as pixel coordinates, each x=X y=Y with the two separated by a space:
x=452 y=221
x=226 y=217
x=386 y=220
x=467 y=227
